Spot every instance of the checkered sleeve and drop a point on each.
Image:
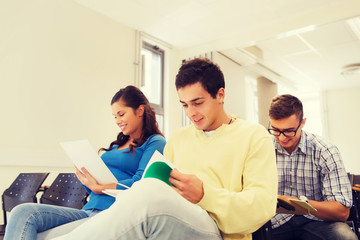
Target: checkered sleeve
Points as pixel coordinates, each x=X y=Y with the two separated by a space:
x=335 y=182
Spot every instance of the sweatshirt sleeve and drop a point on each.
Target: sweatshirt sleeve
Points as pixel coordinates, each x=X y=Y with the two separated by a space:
x=245 y=211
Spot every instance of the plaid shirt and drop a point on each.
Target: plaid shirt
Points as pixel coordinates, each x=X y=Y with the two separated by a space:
x=315 y=170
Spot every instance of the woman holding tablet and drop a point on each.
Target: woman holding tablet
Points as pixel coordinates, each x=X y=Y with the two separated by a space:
x=126 y=158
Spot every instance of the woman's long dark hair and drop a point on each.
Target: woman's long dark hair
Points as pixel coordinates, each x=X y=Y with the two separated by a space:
x=132 y=97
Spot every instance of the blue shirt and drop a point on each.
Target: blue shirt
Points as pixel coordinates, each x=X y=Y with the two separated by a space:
x=315 y=170
x=127 y=167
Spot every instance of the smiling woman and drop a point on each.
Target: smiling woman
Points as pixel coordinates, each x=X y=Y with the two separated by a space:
x=135 y=117
x=126 y=158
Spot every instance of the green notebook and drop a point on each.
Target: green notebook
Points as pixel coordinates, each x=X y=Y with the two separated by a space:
x=159 y=167
x=159 y=170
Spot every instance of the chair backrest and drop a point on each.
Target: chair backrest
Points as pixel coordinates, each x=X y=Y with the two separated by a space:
x=66 y=190
x=353 y=221
x=22 y=190
x=355 y=212
x=356 y=179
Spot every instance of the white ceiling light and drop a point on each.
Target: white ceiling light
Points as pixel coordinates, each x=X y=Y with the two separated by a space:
x=354 y=24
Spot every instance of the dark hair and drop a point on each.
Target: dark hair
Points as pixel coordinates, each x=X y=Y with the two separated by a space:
x=284 y=106
x=132 y=97
x=201 y=70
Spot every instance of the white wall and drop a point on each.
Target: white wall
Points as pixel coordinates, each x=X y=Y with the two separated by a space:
x=60 y=65
x=234 y=74
x=266 y=90
x=173 y=108
x=341 y=111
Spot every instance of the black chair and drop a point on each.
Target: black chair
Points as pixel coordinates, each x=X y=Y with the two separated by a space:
x=263 y=233
x=351 y=178
x=354 y=220
x=66 y=190
x=22 y=190
x=356 y=179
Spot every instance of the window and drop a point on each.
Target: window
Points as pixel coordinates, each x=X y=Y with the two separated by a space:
x=152 y=78
x=312 y=108
x=312 y=112
x=185 y=121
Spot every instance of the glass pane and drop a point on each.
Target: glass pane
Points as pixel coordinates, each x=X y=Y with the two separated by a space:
x=185 y=120
x=160 y=121
x=152 y=73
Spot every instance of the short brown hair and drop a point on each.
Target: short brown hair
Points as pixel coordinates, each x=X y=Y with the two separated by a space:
x=201 y=70
x=284 y=106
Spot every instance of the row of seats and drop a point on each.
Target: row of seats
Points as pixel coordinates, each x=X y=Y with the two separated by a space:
x=66 y=190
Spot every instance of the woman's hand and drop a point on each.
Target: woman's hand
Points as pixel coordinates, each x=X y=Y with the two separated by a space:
x=88 y=180
x=187 y=185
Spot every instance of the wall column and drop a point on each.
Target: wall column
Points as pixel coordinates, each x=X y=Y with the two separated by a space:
x=266 y=90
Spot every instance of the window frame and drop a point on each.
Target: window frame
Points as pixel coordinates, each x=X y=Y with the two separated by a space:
x=159 y=108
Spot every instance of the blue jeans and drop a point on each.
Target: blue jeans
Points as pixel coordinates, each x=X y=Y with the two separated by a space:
x=150 y=209
x=302 y=228
x=27 y=219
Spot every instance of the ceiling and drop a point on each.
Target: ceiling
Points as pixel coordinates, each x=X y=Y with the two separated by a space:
x=308 y=59
x=301 y=43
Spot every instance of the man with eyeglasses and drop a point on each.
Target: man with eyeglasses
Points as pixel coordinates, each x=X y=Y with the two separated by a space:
x=309 y=168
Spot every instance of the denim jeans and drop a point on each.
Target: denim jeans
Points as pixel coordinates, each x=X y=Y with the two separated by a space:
x=150 y=209
x=27 y=219
x=302 y=228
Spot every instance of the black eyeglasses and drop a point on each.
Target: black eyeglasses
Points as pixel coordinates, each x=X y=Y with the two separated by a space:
x=286 y=133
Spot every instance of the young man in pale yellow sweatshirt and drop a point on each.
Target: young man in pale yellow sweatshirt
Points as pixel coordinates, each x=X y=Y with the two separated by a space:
x=226 y=185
